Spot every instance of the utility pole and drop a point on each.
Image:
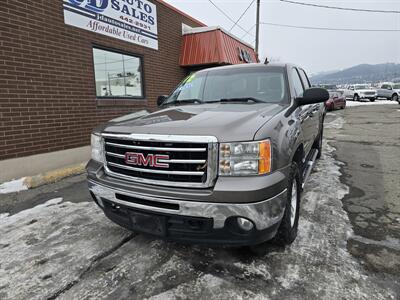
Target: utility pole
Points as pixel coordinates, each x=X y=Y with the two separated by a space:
x=258 y=26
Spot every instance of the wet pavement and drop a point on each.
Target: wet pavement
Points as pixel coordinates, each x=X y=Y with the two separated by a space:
x=347 y=247
x=369 y=146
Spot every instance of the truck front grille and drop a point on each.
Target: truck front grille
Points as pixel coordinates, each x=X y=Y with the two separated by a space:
x=371 y=93
x=164 y=160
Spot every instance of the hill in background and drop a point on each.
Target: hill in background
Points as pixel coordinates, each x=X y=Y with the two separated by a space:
x=364 y=73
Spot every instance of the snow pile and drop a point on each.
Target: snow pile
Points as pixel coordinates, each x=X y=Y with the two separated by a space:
x=377 y=102
x=4 y=215
x=13 y=186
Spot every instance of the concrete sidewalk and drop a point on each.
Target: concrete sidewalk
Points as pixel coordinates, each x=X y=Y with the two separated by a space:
x=33 y=171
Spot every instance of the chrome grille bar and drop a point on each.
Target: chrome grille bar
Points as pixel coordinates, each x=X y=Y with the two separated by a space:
x=153 y=171
x=168 y=161
x=157 y=148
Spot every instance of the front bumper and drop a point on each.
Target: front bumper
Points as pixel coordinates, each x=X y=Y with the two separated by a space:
x=368 y=96
x=120 y=203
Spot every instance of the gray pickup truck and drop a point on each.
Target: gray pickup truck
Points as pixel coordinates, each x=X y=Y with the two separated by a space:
x=223 y=161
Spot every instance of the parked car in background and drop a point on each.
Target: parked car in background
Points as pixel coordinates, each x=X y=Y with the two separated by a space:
x=360 y=91
x=389 y=91
x=336 y=101
x=396 y=88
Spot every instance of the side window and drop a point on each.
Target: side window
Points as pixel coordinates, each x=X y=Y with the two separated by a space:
x=385 y=86
x=304 y=78
x=298 y=86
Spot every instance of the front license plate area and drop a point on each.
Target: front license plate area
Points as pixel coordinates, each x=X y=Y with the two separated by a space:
x=149 y=223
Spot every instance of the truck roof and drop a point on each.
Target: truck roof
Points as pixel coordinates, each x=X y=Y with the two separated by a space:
x=251 y=65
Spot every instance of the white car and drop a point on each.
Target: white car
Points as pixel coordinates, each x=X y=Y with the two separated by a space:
x=390 y=91
x=357 y=92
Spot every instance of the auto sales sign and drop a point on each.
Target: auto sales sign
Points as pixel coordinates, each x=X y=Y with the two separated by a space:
x=133 y=21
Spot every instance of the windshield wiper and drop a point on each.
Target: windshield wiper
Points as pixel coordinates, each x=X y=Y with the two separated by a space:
x=185 y=101
x=244 y=99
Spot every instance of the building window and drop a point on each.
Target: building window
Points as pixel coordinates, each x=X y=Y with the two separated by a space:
x=117 y=75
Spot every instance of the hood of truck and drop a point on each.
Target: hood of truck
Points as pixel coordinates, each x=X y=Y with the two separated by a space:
x=226 y=121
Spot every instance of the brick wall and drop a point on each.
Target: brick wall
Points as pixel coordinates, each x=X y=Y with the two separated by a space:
x=47 y=88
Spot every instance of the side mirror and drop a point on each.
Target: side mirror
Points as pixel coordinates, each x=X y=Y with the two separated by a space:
x=313 y=95
x=161 y=99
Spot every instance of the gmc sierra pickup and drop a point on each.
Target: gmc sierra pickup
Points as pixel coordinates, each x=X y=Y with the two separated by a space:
x=223 y=161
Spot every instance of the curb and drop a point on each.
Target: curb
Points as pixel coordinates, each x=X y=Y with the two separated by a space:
x=53 y=176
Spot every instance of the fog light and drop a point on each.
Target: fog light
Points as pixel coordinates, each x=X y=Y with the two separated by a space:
x=245 y=224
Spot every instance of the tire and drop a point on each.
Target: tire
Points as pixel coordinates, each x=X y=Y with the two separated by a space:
x=356 y=97
x=287 y=231
x=372 y=99
x=395 y=97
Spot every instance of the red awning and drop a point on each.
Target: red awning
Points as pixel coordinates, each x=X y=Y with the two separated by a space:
x=214 y=46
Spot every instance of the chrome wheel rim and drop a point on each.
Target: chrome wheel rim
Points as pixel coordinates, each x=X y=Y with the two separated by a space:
x=293 y=203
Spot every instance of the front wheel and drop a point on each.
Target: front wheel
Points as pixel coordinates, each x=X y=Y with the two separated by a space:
x=395 y=97
x=356 y=97
x=288 y=228
x=372 y=99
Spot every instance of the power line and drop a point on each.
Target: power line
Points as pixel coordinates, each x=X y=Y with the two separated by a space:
x=342 y=8
x=248 y=31
x=226 y=15
x=248 y=7
x=331 y=29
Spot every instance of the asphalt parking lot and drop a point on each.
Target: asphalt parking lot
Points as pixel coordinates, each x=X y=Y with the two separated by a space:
x=56 y=244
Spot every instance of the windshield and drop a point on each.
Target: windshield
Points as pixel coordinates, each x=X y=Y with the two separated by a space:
x=258 y=84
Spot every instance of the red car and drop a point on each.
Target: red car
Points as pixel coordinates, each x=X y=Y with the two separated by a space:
x=337 y=100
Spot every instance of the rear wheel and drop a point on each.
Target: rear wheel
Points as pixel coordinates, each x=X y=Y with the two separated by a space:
x=372 y=99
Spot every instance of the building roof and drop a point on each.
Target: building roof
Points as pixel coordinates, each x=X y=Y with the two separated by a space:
x=181 y=12
x=214 y=46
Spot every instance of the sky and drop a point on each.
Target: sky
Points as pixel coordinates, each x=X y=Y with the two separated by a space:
x=315 y=50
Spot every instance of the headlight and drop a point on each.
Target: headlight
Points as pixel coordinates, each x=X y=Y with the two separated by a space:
x=242 y=159
x=97 y=148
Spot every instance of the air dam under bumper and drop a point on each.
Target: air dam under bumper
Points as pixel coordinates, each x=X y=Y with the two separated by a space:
x=212 y=223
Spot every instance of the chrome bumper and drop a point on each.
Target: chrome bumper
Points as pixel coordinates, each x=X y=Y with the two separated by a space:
x=264 y=214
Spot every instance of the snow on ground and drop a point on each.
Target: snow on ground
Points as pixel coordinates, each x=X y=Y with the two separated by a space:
x=45 y=248
x=350 y=103
x=13 y=186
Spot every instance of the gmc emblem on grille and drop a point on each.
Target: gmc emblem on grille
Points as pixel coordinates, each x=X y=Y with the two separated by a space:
x=151 y=160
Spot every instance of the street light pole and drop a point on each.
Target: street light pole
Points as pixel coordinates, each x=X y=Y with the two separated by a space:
x=258 y=26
